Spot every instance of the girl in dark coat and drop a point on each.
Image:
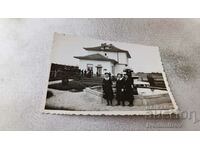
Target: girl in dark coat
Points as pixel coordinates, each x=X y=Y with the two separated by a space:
x=128 y=89
x=120 y=89
x=107 y=89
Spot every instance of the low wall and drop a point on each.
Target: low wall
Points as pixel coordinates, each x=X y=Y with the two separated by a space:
x=139 y=100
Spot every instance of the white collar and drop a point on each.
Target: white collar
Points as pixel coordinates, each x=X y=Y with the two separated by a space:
x=106 y=78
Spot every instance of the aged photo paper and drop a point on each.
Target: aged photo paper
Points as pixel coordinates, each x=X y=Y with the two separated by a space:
x=97 y=77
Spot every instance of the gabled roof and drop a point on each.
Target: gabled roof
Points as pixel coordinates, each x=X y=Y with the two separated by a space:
x=98 y=57
x=107 y=48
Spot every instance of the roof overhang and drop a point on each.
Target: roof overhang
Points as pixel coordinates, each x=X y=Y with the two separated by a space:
x=107 y=48
x=96 y=57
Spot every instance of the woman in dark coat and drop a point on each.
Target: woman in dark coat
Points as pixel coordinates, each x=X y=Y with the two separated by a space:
x=120 y=89
x=128 y=89
x=107 y=89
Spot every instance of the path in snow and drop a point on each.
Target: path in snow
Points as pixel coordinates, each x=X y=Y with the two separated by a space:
x=82 y=101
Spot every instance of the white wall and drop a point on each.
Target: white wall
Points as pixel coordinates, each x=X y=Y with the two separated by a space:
x=105 y=65
x=123 y=59
x=119 y=68
x=120 y=57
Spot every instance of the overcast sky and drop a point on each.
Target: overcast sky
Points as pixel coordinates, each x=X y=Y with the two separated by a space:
x=143 y=58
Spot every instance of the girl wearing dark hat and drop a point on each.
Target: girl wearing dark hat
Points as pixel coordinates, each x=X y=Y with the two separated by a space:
x=107 y=89
x=128 y=89
x=120 y=89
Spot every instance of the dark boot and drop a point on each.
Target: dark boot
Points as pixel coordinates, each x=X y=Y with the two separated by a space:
x=111 y=102
x=130 y=103
x=118 y=103
x=108 y=102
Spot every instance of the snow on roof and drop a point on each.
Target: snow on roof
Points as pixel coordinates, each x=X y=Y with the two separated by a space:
x=141 y=82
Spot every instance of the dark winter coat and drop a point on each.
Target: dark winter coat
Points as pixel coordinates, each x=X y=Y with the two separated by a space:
x=119 y=89
x=107 y=89
x=128 y=90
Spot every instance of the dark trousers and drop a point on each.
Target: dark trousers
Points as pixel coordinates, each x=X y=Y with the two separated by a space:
x=109 y=101
x=131 y=101
x=120 y=98
x=129 y=97
x=119 y=101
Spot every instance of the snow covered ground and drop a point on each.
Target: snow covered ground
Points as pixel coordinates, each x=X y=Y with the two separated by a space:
x=82 y=101
x=149 y=92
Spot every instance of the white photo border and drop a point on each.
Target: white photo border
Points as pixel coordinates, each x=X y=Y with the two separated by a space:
x=174 y=111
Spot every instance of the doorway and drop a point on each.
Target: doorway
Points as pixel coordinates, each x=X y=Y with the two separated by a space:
x=99 y=70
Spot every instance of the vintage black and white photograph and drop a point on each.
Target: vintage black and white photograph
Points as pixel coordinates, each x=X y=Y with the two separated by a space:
x=89 y=76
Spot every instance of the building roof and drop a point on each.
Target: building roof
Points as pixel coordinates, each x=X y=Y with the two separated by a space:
x=107 y=48
x=98 y=57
